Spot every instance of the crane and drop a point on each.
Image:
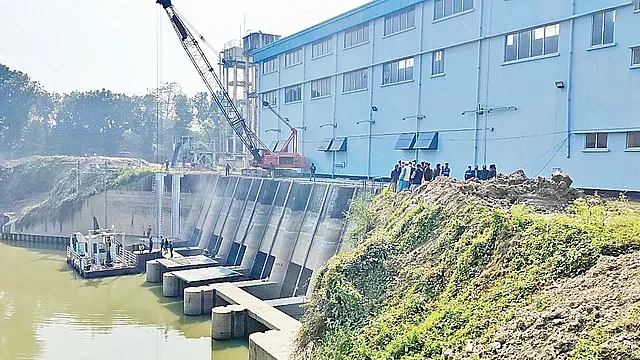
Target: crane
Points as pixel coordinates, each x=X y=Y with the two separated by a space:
x=263 y=157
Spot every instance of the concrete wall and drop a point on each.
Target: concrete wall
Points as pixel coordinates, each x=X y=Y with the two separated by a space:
x=281 y=230
x=547 y=131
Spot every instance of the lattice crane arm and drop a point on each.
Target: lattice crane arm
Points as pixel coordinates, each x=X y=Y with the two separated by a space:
x=212 y=81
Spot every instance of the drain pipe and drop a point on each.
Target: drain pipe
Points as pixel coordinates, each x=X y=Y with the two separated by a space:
x=421 y=60
x=478 y=75
x=569 y=76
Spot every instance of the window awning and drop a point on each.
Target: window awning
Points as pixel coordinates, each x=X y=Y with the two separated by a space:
x=426 y=141
x=325 y=145
x=339 y=144
x=406 y=141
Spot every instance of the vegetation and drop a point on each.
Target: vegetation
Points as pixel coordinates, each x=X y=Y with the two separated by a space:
x=36 y=122
x=427 y=280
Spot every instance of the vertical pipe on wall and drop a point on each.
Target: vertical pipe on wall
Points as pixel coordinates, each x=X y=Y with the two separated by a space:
x=421 y=71
x=334 y=110
x=478 y=75
x=373 y=43
x=569 y=77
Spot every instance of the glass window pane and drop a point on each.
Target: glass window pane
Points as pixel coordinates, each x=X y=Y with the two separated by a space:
x=596 y=31
x=633 y=140
x=411 y=18
x=609 y=25
x=636 y=56
x=511 y=51
x=468 y=4
x=590 y=141
x=537 y=43
x=457 y=6
x=551 y=39
x=394 y=72
x=602 y=140
x=439 y=9
x=408 y=71
x=524 y=45
x=387 y=26
x=386 y=74
x=448 y=7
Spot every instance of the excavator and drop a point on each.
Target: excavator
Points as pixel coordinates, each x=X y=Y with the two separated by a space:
x=276 y=161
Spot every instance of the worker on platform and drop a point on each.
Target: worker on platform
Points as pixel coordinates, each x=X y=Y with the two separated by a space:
x=446 y=171
x=469 y=174
x=150 y=244
x=171 y=248
x=227 y=169
x=149 y=231
x=166 y=244
x=312 y=172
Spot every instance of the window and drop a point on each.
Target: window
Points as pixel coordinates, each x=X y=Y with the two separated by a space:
x=437 y=66
x=355 y=80
x=270 y=66
x=356 y=35
x=633 y=140
x=397 y=71
x=320 y=48
x=444 y=8
x=400 y=20
x=637 y=5
x=270 y=99
x=292 y=94
x=532 y=43
x=321 y=88
x=596 y=141
x=603 y=28
x=293 y=57
x=635 y=56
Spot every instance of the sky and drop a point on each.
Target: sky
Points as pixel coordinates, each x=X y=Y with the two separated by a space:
x=69 y=45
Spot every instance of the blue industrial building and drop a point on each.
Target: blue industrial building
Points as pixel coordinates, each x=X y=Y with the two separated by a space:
x=524 y=84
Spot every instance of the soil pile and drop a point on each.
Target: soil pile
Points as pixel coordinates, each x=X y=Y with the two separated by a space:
x=510 y=268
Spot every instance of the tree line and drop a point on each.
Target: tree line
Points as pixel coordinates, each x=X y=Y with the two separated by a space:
x=34 y=121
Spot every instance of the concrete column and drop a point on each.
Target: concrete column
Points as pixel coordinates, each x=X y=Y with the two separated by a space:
x=213 y=212
x=193 y=301
x=154 y=271
x=236 y=210
x=255 y=231
x=228 y=322
x=170 y=285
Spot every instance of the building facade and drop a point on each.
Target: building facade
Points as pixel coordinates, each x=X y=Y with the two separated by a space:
x=523 y=84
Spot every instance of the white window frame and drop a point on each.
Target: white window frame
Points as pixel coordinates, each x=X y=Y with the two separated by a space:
x=400 y=68
x=293 y=58
x=604 y=30
x=400 y=21
x=355 y=81
x=322 y=48
x=437 y=63
x=360 y=33
x=271 y=97
x=632 y=147
x=270 y=66
x=597 y=137
x=635 y=56
x=637 y=5
x=547 y=31
x=288 y=92
x=464 y=7
x=321 y=88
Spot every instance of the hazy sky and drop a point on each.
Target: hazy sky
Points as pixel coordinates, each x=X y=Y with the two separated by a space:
x=93 y=44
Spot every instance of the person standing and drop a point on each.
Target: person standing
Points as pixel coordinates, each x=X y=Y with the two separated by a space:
x=149 y=231
x=428 y=173
x=312 y=172
x=484 y=173
x=476 y=172
x=416 y=180
x=227 y=169
x=437 y=171
x=469 y=173
x=166 y=244
x=403 y=181
x=493 y=172
x=150 y=244
x=171 y=248
x=395 y=175
x=446 y=171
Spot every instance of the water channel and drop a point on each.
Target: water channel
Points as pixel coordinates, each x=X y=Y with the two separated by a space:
x=49 y=313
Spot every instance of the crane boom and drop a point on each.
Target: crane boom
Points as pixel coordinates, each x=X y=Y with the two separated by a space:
x=212 y=81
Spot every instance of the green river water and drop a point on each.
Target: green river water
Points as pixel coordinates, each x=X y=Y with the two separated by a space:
x=47 y=312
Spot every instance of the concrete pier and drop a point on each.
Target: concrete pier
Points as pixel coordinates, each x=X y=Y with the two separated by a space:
x=154 y=271
x=170 y=285
x=200 y=300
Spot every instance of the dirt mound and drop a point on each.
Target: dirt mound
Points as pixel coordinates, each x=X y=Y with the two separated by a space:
x=544 y=194
x=578 y=313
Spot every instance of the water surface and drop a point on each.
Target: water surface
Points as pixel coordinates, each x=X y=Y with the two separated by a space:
x=49 y=313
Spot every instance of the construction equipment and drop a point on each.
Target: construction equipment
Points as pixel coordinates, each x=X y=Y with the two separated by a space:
x=263 y=157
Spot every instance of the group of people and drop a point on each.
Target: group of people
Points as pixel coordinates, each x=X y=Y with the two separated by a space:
x=409 y=175
x=165 y=244
x=482 y=174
